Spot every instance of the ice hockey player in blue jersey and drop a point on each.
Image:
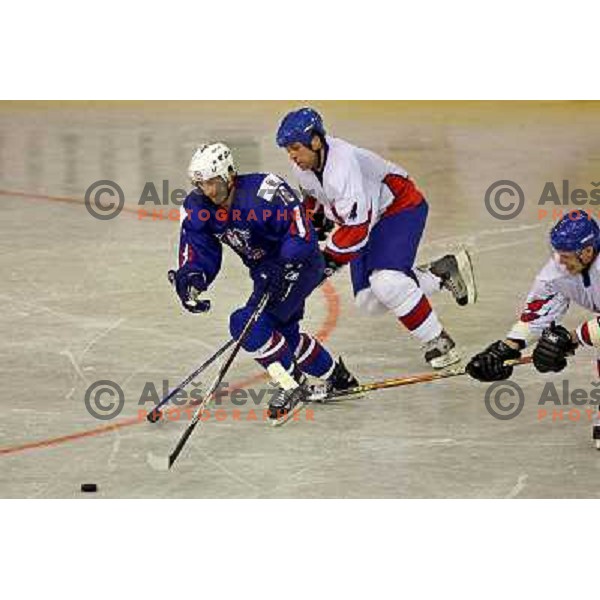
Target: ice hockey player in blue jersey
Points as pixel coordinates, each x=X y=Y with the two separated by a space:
x=261 y=219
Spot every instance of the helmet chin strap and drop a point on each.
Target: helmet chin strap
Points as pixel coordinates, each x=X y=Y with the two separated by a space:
x=230 y=190
x=585 y=267
x=321 y=156
x=579 y=254
x=594 y=256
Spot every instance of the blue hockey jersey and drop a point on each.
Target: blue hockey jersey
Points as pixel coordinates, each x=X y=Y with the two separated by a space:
x=265 y=222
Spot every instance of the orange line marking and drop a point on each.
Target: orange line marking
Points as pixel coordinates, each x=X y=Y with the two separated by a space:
x=333 y=311
x=65 y=199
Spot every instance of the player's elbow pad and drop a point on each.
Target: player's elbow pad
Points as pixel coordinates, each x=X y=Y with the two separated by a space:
x=588 y=333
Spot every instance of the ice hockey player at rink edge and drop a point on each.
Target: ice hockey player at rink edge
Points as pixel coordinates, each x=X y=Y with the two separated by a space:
x=379 y=216
x=276 y=241
x=571 y=275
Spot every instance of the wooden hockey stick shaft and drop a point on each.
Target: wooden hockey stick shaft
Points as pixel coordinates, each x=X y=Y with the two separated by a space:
x=410 y=380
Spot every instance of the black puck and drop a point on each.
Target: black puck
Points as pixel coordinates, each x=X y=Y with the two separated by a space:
x=154 y=416
x=89 y=487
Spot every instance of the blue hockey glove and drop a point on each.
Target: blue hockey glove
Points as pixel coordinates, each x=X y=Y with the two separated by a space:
x=278 y=279
x=189 y=284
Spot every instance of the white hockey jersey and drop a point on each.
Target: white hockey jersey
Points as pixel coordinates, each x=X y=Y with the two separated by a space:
x=551 y=294
x=356 y=189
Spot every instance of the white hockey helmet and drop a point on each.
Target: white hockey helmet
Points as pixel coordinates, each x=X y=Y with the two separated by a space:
x=211 y=160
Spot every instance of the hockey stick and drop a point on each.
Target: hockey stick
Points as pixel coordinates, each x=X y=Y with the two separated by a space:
x=220 y=375
x=408 y=380
x=155 y=414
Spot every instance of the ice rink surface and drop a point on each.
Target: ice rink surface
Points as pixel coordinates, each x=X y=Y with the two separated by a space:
x=85 y=300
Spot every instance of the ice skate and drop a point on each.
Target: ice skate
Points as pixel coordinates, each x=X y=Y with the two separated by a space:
x=596 y=430
x=287 y=403
x=456 y=273
x=440 y=352
x=341 y=379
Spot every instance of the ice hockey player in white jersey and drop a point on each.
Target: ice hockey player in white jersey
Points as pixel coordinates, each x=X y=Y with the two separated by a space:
x=571 y=275
x=379 y=216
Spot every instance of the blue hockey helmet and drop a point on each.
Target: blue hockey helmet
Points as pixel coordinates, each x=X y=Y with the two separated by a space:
x=574 y=232
x=300 y=126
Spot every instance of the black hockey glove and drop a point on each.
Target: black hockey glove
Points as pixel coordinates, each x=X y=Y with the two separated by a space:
x=331 y=267
x=321 y=224
x=278 y=279
x=189 y=284
x=552 y=349
x=489 y=364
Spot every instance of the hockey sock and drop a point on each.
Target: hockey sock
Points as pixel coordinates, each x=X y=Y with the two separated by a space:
x=312 y=358
x=276 y=350
x=428 y=282
x=406 y=300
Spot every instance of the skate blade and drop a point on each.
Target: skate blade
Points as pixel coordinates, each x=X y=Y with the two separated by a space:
x=465 y=268
x=457 y=368
x=289 y=416
x=340 y=398
x=317 y=395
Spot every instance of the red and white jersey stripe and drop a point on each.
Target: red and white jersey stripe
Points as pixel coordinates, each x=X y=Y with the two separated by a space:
x=358 y=188
x=551 y=294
